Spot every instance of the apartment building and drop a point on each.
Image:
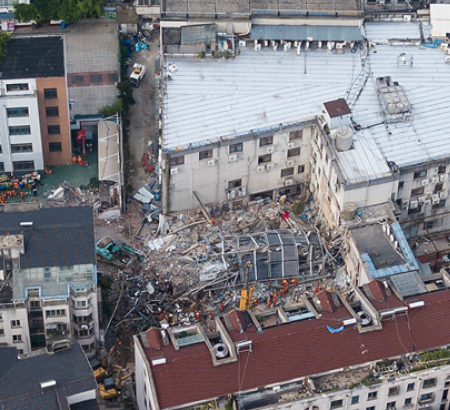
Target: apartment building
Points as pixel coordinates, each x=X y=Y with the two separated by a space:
x=35 y=128
x=368 y=349
x=48 y=277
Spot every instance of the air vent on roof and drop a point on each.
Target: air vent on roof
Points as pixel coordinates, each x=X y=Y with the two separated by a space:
x=364 y=318
x=159 y=360
x=244 y=346
x=48 y=383
x=220 y=350
x=416 y=304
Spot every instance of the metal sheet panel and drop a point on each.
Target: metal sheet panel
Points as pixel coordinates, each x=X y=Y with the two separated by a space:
x=324 y=33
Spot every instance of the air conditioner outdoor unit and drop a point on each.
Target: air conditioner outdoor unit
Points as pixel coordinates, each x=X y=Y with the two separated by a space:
x=435 y=197
x=435 y=200
x=407 y=18
x=269 y=167
x=288 y=182
x=242 y=43
x=291 y=162
x=444 y=177
x=232 y=157
x=270 y=150
x=425 y=181
x=443 y=194
x=242 y=191
x=413 y=205
x=435 y=179
x=84 y=327
x=427 y=202
x=291 y=145
x=422 y=198
x=260 y=168
x=231 y=194
x=174 y=171
x=211 y=162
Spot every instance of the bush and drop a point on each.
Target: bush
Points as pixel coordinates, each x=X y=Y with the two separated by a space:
x=105 y=282
x=202 y=54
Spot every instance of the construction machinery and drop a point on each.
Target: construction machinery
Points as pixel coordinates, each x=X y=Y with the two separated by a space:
x=99 y=371
x=111 y=250
x=107 y=389
x=137 y=74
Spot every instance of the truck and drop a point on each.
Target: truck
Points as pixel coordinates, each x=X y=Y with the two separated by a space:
x=137 y=74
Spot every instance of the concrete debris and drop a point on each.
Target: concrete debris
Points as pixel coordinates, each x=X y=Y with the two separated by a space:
x=144 y=195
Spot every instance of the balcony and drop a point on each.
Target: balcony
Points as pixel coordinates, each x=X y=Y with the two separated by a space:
x=54 y=302
x=57 y=334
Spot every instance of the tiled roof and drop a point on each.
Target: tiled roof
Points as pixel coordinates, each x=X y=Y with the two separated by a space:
x=295 y=350
x=377 y=289
x=20 y=383
x=33 y=57
x=58 y=237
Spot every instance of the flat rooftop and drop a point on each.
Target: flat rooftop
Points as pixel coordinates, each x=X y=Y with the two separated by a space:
x=209 y=98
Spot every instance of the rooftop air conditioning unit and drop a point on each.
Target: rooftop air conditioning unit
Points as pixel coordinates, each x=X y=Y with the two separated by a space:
x=242 y=192
x=211 y=162
x=269 y=167
x=443 y=194
x=443 y=177
x=174 y=171
x=290 y=162
x=260 y=168
x=231 y=194
x=407 y=18
x=435 y=179
x=257 y=47
x=422 y=198
x=427 y=202
x=291 y=145
x=288 y=182
x=339 y=46
x=413 y=205
x=270 y=150
x=425 y=181
x=232 y=157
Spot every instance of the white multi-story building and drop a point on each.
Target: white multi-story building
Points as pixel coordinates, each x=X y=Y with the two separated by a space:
x=48 y=277
x=20 y=132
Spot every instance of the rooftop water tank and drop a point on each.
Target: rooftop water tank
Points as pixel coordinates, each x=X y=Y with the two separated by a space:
x=344 y=138
x=349 y=211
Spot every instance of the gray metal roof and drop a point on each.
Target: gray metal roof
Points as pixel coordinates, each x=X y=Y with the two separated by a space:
x=324 y=33
x=408 y=284
x=205 y=33
x=58 y=237
x=20 y=383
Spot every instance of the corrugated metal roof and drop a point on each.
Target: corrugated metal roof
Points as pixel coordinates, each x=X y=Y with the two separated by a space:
x=198 y=34
x=324 y=33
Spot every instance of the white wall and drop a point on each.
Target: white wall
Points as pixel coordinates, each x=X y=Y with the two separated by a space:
x=145 y=392
x=9 y=314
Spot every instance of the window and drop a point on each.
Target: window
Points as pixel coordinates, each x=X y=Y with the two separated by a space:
x=52 y=111
x=438 y=187
x=19 y=130
x=235 y=148
x=1 y=150
x=372 y=395
x=445 y=395
x=77 y=79
x=15 y=323
x=262 y=159
x=17 y=87
x=23 y=165
x=205 y=154
x=370 y=408
x=415 y=210
x=2 y=166
x=293 y=152
x=56 y=312
x=401 y=184
x=234 y=184
x=34 y=304
x=426 y=398
x=82 y=319
x=301 y=169
x=177 y=160
x=287 y=171
x=17 y=338
x=17 y=112
x=417 y=191
x=95 y=78
x=408 y=401
x=440 y=204
x=393 y=391
x=442 y=406
x=410 y=387
x=2 y=332
x=335 y=404
x=355 y=399
x=442 y=169
x=50 y=93
x=266 y=141
x=390 y=405
x=420 y=174
x=19 y=351
x=54 y=147
x=20 y=148
x=296 y=135
x=429 y=383
x=428 y=225
x=53 y=130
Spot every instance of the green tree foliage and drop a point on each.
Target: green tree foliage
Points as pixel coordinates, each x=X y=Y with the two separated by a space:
x=4 y=38
x=109 y=110
x=67 y=10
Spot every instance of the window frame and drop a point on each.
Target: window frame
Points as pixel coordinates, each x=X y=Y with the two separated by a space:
x=263 y=142
x=207 y=154
x=50 y=111
x=264 y=159
x=10 y=88
x=19 y=130
x=235 y=148
x=295 y=135
x=372 y=393
x=14 y=112
x=336 y=404
x=293 y=152
x=53 y=145
x=420 y=174
x=418 y=191
x=287 y=172
x=50 y=93
x=21 y=148
x=237 y=183
x=175 y=161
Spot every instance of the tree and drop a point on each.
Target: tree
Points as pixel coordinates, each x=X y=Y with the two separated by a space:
x=28 y=12
x=4 y=38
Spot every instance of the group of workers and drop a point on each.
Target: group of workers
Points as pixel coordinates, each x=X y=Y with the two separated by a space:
x=11 y=187
x=77 y=160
